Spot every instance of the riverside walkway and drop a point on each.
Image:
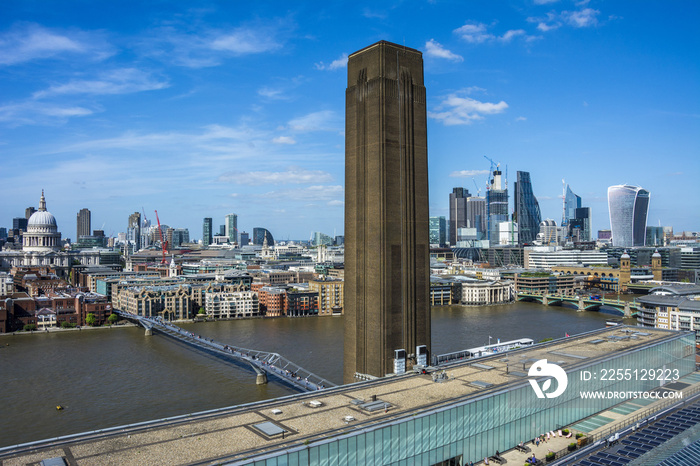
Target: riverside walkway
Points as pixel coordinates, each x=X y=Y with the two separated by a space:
x=262 y=362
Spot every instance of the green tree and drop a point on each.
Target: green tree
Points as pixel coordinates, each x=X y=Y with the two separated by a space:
x=113 y=318
x=66 y=324
x=29 y=327
x=201 y=311
x=90 y=319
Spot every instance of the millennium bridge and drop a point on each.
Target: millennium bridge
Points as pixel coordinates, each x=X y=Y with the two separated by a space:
x=582 y=303
x=262 y=362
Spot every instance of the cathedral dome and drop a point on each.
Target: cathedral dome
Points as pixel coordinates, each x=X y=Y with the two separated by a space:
x=42 y=219
x=42 y=231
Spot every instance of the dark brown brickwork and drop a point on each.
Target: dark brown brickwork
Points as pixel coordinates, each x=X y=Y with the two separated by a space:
x=386 y=209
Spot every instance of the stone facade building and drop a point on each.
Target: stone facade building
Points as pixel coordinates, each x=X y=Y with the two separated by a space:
x=41 y=247
x=231 y=305
x=330 y=295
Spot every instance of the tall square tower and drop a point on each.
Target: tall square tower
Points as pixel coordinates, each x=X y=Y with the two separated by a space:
x=387 y=279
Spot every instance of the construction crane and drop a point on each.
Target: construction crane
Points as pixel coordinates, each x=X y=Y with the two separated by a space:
x=163 y=244
x=478 y=189
x=492 y=164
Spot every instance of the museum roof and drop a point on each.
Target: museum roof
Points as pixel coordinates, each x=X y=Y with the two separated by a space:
x=231 y=433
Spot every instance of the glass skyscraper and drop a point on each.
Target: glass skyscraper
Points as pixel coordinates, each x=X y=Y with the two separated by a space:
x=207 y=231
x=571 y=203
x=582 y=223
x=438 y=231
x=628 y=207
x=527 y=209
x=259 y=235
x=232 y=228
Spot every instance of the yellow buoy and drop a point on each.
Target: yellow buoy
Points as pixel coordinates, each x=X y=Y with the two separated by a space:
x=59 y=407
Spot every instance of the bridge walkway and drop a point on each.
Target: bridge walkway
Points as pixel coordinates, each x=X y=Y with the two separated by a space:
x=262 y=362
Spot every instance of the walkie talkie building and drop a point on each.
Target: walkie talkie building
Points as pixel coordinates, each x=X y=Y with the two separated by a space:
x=628 y=207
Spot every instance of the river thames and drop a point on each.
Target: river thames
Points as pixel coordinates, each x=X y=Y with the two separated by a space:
x=112 y=377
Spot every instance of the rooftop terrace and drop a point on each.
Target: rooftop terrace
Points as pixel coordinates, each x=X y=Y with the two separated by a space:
x=240 y=432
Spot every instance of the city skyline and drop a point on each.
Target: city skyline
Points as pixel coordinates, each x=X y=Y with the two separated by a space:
x=230 y=108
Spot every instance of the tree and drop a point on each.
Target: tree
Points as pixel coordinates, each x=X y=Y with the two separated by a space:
x=90 y=319
x=113 y=318
x=201 y=311
x=29 y=327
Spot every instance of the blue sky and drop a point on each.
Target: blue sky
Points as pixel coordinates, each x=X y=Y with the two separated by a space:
x=200 y=109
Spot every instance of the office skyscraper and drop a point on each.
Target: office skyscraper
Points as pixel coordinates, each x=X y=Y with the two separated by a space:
x=580 y=225
x=496 y=206
x=259 y=235
x=232 y=228
x=438 y=231
x=133 y=230
x=387 y=272
x=458 y=212
x=19 y=223
x=245 y=238
x=83 y=224
x=571 y=203
x=628 y=207
x=527 y=209
x=476 y=215
x=207 y=233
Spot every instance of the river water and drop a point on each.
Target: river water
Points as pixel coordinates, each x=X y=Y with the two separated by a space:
x=111 y=377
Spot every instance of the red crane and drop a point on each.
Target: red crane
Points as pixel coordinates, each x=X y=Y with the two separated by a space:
x=163 y=244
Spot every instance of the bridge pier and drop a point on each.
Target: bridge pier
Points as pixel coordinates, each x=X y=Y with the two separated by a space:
x=628 y=310
x=149 y=332
x=545 y=301
x=581 y=305
x=261 y=378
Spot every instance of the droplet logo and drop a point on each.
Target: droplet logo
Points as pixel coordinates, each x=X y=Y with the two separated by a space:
x=542 y=368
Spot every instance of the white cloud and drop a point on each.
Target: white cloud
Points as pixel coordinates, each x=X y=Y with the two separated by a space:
x=32 y=112
x=120 y=81
x=457 y=109
x=209 y=47
x=544 y=2
x=586 y=17
x=468 y=173
x=582 y=18
x=474 y=33
x=245 y=41
x=293 y=175
x=338 y=63
x=434 y=49
x=28 y=41
x=508 y=36
x=318 y=121
x=270 y=93
x=284 y=140
x=521 y=118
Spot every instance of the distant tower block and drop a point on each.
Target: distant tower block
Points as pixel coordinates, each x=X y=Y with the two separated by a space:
x=386 y=209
